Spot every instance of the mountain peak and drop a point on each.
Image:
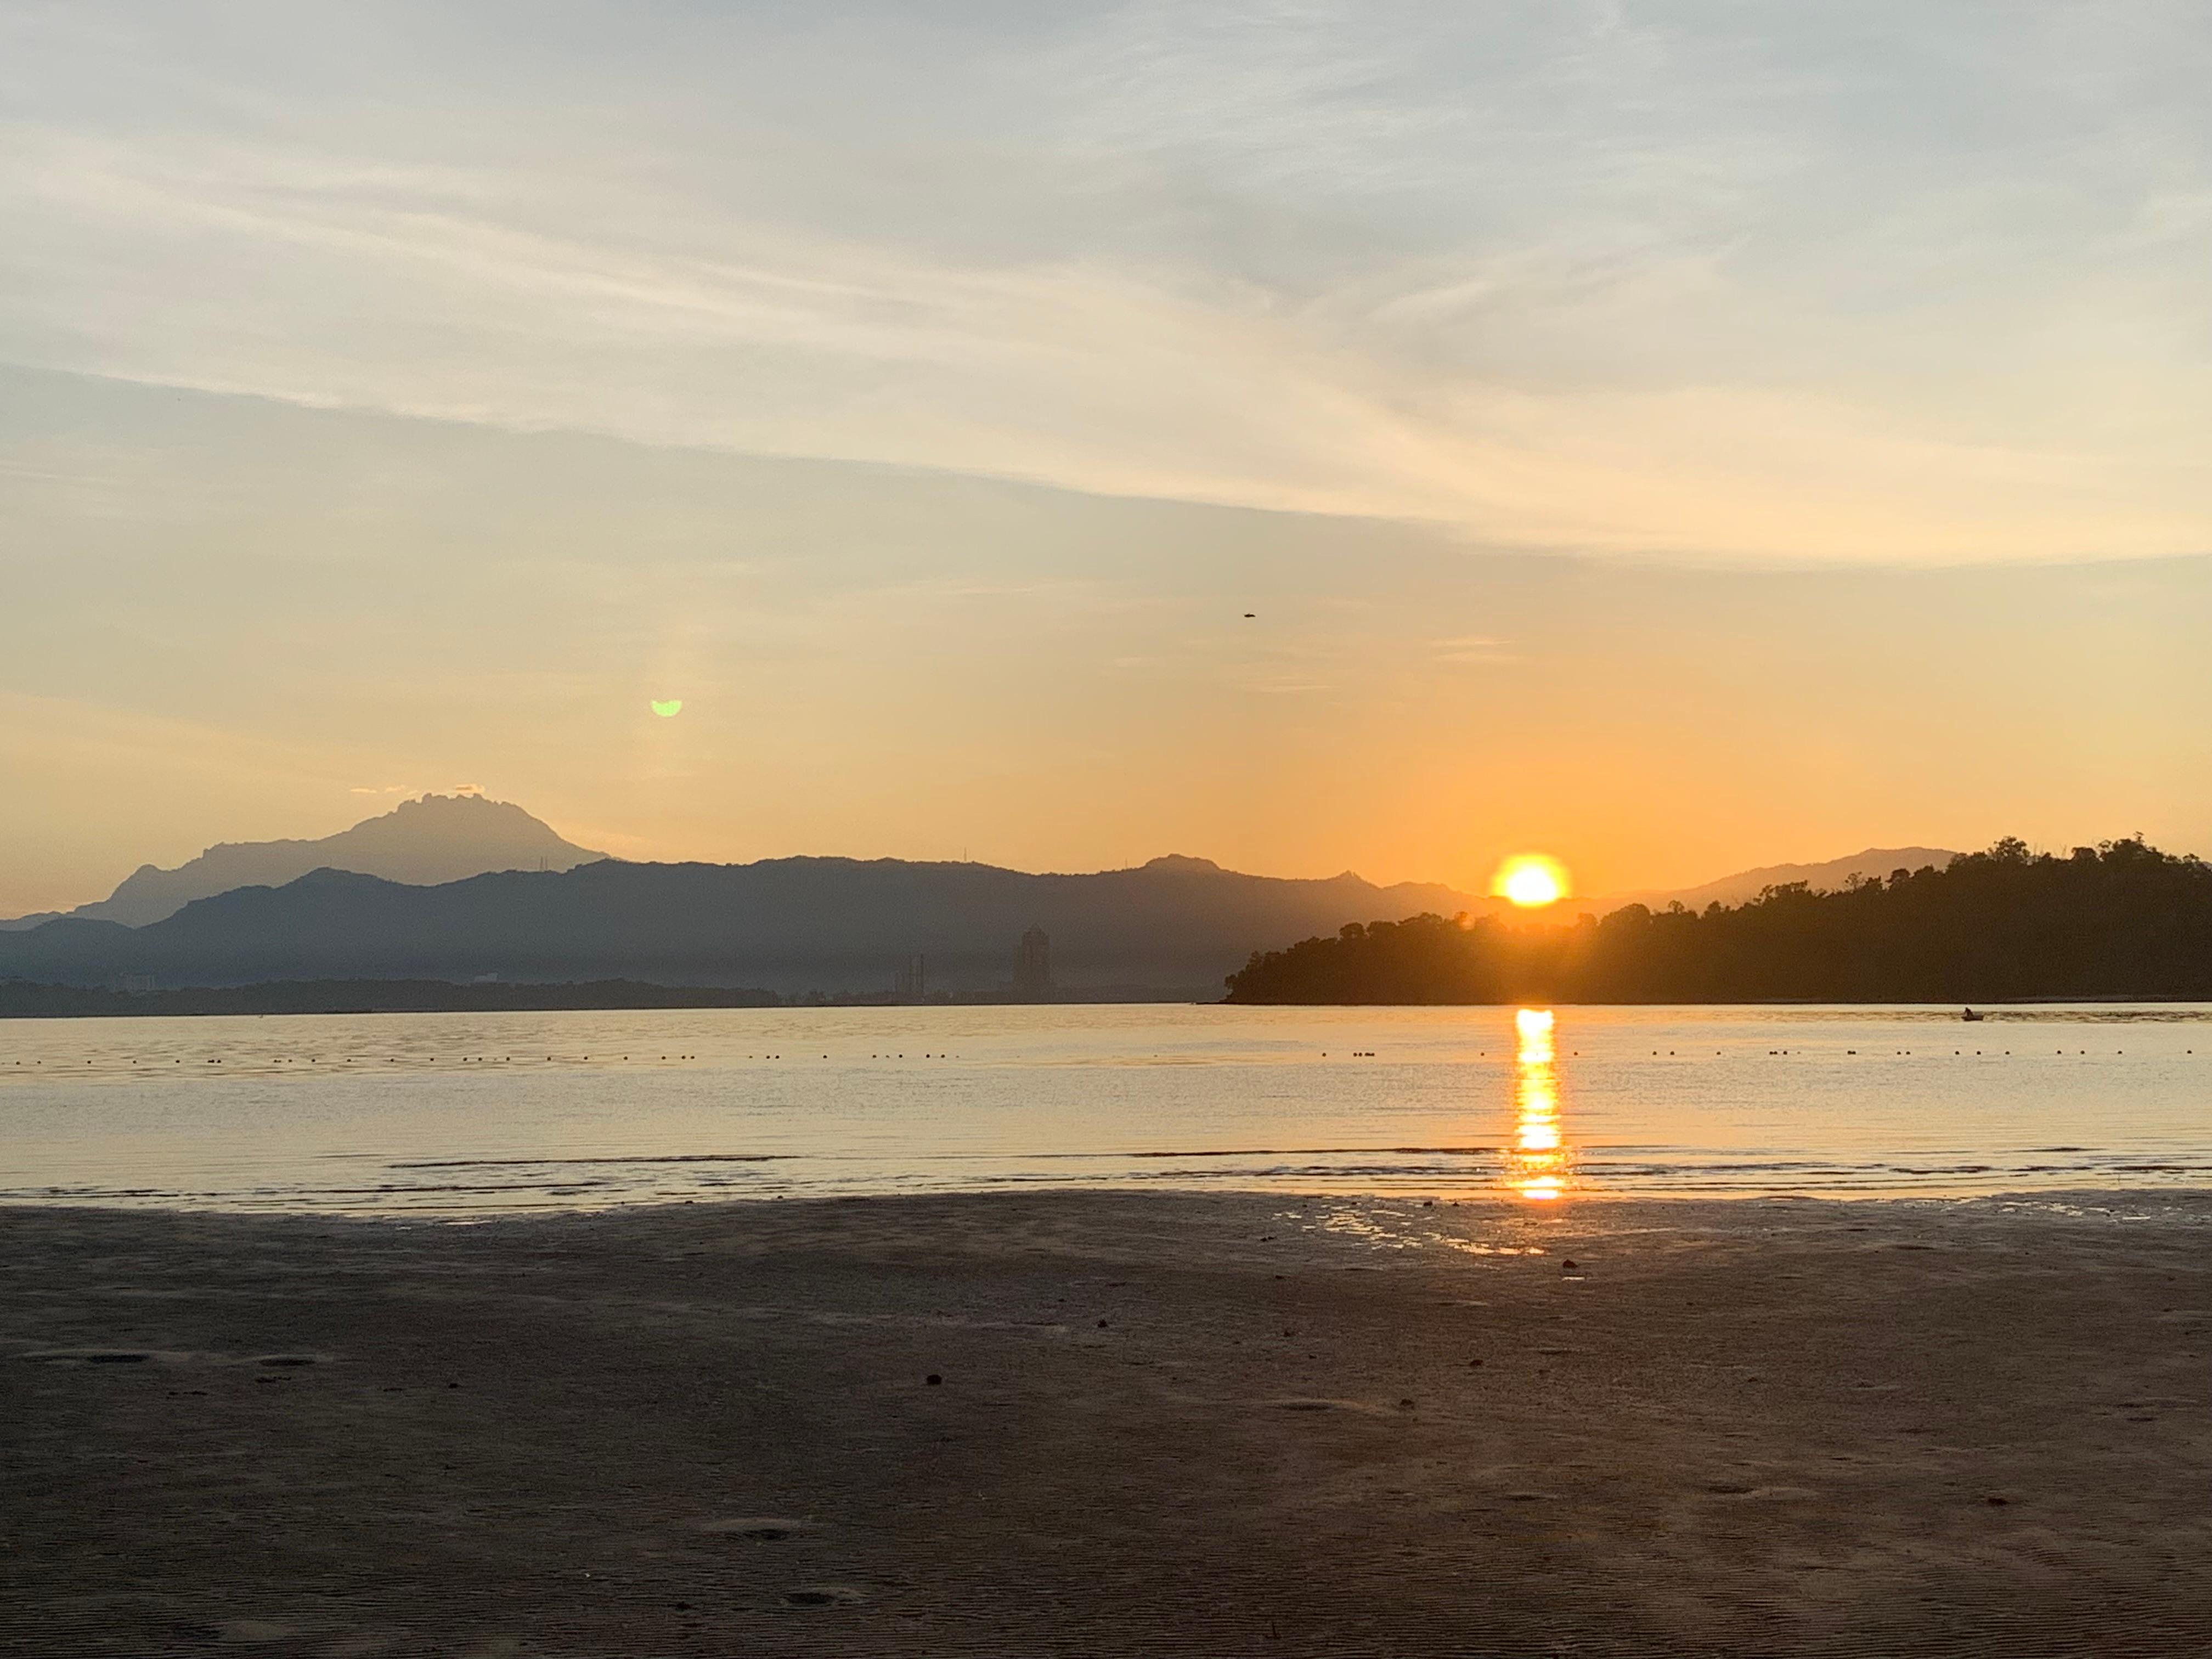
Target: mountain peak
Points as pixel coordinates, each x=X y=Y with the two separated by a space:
x=421 y=842
x=464 y=804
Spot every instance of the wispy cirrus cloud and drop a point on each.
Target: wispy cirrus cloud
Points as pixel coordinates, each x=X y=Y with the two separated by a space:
x=1575 y=276
x=1475 y=648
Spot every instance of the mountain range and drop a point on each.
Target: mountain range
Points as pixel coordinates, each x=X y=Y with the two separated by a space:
x=450 y=888
x=1176 y=925
x=438 y=838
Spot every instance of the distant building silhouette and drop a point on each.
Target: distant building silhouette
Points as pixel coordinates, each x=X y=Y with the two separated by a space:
x=910 y=979
x=1033 y=965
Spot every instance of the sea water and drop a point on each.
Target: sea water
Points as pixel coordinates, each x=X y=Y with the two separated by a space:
x=473 y=1115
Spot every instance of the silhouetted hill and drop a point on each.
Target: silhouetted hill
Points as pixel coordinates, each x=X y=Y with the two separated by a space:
x=2120 y=920
x=1877 y=862
x=1178 y=924
x=438 y=838
x=23 y=1000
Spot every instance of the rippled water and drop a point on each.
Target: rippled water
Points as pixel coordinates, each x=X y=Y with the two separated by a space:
x=472 y=1113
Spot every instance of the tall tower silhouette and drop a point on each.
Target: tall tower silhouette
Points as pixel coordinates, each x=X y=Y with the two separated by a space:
x=1033 y=966
x=911 y=979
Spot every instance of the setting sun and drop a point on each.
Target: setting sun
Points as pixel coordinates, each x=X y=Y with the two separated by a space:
x=1531 y=879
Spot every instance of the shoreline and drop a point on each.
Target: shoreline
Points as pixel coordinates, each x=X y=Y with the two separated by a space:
x=27 y=1000
x=1165 y=1422
x=2054 y=1200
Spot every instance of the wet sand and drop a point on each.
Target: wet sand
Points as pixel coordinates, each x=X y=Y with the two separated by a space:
x=1198 y=1424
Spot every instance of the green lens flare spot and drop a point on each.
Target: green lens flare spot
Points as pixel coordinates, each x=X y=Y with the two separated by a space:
x=670 y=709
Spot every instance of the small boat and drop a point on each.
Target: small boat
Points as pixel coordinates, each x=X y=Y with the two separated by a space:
x=1972 y=1018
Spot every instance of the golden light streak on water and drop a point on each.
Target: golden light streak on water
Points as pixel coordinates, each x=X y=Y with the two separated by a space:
x=1536 y=1166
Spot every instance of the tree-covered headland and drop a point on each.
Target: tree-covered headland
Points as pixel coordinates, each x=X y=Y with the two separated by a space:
x=2119 y=920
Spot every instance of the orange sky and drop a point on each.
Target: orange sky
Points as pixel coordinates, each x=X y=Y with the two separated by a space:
x=254 y=621
x=1677 y=439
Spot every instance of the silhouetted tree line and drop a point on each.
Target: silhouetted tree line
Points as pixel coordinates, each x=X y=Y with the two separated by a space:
x=2119 y=919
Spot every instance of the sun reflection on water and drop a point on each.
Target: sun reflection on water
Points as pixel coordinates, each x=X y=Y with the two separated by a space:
x=1537 y=1163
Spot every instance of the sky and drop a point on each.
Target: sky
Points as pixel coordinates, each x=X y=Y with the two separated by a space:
x=1675 y=436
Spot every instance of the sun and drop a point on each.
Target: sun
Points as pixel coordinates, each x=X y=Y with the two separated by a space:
x=1530 y=880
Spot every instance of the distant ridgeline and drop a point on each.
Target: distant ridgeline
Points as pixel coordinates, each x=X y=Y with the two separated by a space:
x=792 y=927
x=25 y=1000
x=2121 y=919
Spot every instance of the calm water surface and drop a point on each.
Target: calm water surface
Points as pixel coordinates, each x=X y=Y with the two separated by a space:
x=474 y=1114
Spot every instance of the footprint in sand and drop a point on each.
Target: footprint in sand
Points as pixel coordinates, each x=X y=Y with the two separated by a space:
x=1356 y=1407
x=825 y=1595
x=761 y=1529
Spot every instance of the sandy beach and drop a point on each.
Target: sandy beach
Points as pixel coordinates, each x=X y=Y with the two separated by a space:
x=1113 y=1423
